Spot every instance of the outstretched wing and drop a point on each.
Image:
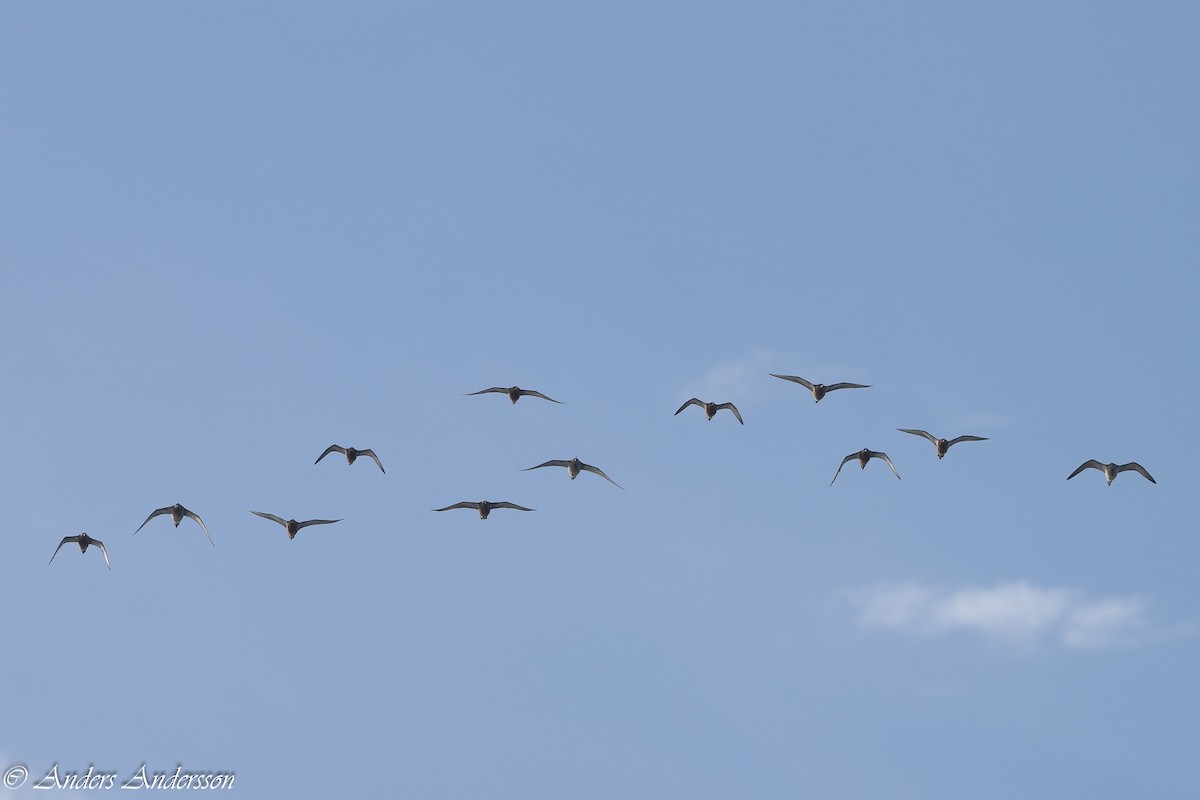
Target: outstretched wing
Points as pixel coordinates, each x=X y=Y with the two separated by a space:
x=507 y=504
x=884 y=456
x=532 y=393
x=917 y=432
x=1136 y=467
x=556 y=463
x=308 y=522
x=371 y=453
x=833 y=386
x=333 y=448
x=600 y=472
x=1092 y=463
x=732 y=408
x=463 y=504
x=195 y=516
x=104 y=552
x=693 y=402
x=958 y=439
x=60 y=544
x=793 y=379
x=487 y=391
x=839 y=469
x=166 y=510
x=271 y=517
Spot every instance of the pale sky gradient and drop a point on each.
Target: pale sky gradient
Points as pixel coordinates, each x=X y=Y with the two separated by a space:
x=232 y=235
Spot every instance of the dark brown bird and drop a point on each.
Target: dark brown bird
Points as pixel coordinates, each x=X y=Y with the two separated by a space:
x=514 y=393
x=819 y=390
x=863 y=457
x=177 y=513
x=1111 y=471
x=83 y=540
x=711 y=409
x=484 y=507
x=942 y=445
x=290 y=525
x=351 y=454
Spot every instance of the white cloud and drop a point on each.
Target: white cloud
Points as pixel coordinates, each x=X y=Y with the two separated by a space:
x=1103 y=624
x=984 y=420
x=1017 y=614
x=736 y=379
x=732 y=378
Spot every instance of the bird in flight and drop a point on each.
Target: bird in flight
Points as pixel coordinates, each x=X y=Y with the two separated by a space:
x=83 y=540
x=942 y=445
x=573 y=468
x=1112 y=470
x=514 y=393
x=819 y=390
x=351 y=454
x=290 y=525
x=711 y=409
x=177 y=513
x=863 y=457
x=484 y=507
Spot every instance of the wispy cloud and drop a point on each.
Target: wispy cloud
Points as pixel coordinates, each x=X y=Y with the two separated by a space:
x=1017 y=614
x=984 y=420
x=735 y=379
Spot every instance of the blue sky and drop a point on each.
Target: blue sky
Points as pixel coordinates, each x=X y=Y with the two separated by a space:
x=232 y=237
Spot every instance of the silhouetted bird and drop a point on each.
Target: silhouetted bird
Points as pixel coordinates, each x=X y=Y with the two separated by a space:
x=1111 y=471
x=819 y=390
x=942 y=445
x=863 y=457
x=484 y=507
x=290 y=525
x=83 y=540
x=573 y=468
x=514 y=393
x=711 y=409
x=177 y=513
x=351 y=454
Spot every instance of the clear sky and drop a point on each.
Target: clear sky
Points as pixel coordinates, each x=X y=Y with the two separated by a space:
x=234 y=234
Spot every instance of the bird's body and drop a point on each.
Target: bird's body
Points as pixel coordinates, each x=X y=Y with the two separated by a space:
x=574 y=467
x=711 y=409
x=1111 y=471
x=485 y=507
x=84 y=541
x=514 y=393
x=863 y=457
x=819 y=390
x=942 y=445
x=292 y=526
x=177 y=513
x=351 y=455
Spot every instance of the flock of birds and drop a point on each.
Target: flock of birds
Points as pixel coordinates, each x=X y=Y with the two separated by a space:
x=574 y=466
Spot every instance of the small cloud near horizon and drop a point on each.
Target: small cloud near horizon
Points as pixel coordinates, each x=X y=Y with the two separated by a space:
x=733 y=380
x=747 y=377
x=1016 y=614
